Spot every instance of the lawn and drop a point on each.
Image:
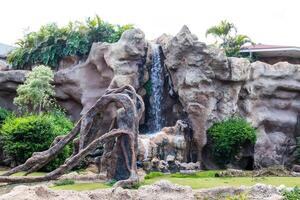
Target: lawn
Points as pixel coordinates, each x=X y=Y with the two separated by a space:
x=82 y=186
x=22 y=173
x=203 y=179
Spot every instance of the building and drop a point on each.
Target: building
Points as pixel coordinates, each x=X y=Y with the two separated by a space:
x=273 y=53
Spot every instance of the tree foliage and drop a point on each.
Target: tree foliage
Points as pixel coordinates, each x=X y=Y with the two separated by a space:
x=51 y=43
x=23 y=136
x=227 y=38
x=228 y=137
x=3 y=115
x=36 y=93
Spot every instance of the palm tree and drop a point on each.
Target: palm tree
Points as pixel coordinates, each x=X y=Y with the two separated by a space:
x=227 y=38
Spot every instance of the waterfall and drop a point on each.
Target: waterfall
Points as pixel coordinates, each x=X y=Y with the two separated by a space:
x=146 y=144
x=157 y=83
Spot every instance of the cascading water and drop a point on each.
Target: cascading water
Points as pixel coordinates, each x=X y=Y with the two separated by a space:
x=157 y=80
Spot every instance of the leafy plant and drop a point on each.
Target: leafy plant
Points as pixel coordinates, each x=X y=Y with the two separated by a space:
x=64 y=182
x=227 y=38
x=294 y=194
x=52 y=43
x=228 y=137
x=36 y=93
x=25 y=135
x=3 y=115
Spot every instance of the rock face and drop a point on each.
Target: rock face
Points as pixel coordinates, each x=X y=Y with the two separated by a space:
x=203 y=86
x=107 y=66
x=200 y=76
x=270 y=100
x=170 y=141
x=212 y=87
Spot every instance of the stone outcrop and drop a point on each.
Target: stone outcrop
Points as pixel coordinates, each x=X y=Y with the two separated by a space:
x=200 y=77
x=107 y=66
x=270 y=100
x=212 y=87
x=170 y=141
x=202 y=86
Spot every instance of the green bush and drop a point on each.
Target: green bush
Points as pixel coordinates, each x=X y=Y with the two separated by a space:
x=26 y=135
x=228 y=137
x=52 y=43
x=3 y=115
x=292 y=195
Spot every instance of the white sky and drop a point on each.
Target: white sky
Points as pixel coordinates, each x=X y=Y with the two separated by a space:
x=265 y=21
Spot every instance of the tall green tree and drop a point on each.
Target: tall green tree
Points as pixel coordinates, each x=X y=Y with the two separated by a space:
x=227 y=38
x=36 y=94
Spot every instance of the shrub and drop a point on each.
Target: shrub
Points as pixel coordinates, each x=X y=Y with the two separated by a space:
x=36 y=93
x=292 y=195
x=228 y=137
x=26 y=135
x=64 y=182
x=52 y=43
x=3 y=115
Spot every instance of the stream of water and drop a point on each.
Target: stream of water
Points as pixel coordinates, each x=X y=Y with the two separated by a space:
x=157 y=80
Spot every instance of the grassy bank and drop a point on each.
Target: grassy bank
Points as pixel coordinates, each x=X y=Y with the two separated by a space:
x=200 y=180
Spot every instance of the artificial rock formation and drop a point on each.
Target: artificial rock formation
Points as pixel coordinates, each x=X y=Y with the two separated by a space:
x=202 y=86
x=212 y=87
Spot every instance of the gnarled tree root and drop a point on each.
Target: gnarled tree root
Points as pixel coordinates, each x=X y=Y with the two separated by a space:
x=132 y=107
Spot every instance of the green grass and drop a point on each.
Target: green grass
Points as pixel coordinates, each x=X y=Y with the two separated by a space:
x=198 y=183
x=81 y=186
x=199 y=180
x=22 y=173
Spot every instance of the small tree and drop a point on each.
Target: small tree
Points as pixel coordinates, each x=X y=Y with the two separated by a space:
x=36 y=94
x=227 y=38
